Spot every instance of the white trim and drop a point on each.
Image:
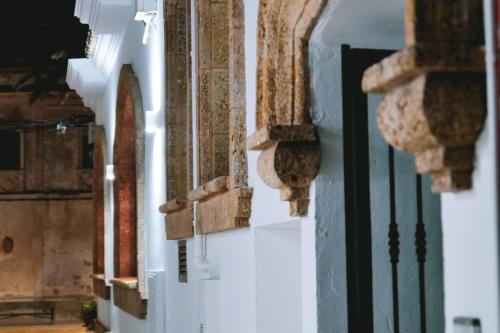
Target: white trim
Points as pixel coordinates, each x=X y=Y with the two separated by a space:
x=86 y=79
x=108 y=19
x=105 y=16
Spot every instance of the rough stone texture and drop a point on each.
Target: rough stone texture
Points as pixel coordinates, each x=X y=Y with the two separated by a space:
x=178 y=118
x=129 y=159
x=434 y=105
x=179 y=223
x=283 y=102
x=226 y=211
x=99 y=327
x=46 y=209
x=223 y=169
x=45 y=156
x=127 y=297
x=47 y=234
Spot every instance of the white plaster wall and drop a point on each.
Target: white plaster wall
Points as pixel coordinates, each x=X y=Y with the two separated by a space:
x=147 y=62
x=278 y=256
x=376 y=24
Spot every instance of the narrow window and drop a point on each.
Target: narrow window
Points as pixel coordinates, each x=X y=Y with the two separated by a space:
x=87 y=161
x=11 y=151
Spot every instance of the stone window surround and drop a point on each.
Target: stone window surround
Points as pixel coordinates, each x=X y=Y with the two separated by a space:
x=178 y=120
x=130 y=292
x=99 y=197
x=291 y=153
x=224 y=199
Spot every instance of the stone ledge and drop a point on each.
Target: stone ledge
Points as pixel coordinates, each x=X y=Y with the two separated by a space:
x=225 y=211
x=265 y=137
x=100 y=288
x=210 y=189
x=173 y=206
x=402 y=66
x=125 y=282
x=126 y=296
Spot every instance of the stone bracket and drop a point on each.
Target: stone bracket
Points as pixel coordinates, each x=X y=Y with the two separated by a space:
x=434 y=102
x=289 y=162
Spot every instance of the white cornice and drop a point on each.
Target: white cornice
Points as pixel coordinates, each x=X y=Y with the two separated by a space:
x=105 y=16
x=108 y=20
x=86 y=79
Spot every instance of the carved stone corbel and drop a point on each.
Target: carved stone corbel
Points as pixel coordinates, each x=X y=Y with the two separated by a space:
x=434 y=104
x=291 y=153
x=289 y=162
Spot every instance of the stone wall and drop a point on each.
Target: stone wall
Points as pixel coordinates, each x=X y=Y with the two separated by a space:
x=46 y=210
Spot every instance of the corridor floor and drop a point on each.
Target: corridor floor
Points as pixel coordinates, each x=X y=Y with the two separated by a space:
x=44 y=329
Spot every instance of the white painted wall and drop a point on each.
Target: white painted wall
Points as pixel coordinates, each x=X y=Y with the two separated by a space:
x=278 y=280
x=376 y=24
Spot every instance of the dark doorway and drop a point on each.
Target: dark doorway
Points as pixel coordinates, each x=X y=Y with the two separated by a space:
x=393 y=225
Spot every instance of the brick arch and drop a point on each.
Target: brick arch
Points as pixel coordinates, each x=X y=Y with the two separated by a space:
x=285 y=133
x=100 y=206
x=99 y=198
x=128 y=160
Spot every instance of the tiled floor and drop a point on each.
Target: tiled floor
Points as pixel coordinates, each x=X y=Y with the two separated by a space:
x=43 y=329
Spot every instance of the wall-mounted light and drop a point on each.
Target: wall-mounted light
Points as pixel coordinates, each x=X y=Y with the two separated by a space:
x=61 y=128
x=152 y=121
x=110 y=172
x=148 y=19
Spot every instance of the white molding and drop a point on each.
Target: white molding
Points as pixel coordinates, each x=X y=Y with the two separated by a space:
x=108 y=20
x=86 y=79
x=105 y=16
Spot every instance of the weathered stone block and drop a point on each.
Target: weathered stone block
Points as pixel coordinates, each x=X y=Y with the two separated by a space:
x=226 y=211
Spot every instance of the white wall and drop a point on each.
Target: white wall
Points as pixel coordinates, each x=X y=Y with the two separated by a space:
x=147 y=62
x=376 y=24
x=278 y=280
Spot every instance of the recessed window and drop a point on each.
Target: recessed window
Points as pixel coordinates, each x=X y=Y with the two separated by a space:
x=87 y=150
x=10 y=144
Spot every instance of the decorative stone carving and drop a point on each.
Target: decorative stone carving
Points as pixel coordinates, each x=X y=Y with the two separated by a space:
x=128 y=160
x=179 y=210
x=224 y=200
x=291 y=154
x=434 y=105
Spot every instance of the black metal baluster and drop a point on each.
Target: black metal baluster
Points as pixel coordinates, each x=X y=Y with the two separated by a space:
x=421 y=248
x=394 y=241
